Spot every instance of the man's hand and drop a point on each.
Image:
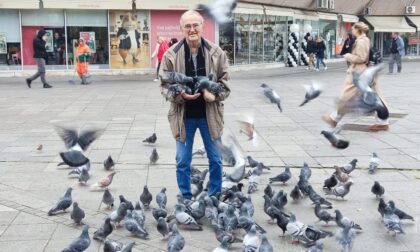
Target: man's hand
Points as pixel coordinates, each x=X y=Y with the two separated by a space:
x=189 y=97
x=347 y=56
x=208 y=96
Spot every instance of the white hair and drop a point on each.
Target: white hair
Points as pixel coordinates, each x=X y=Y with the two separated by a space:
x=191 y=13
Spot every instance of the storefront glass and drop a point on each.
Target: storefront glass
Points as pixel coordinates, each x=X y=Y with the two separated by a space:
x=327 y=29
x=242 y=39
x=270 y=39
x=280 y=39
x=413 y=44
x=256 y=39
x=10 y=55
x=226 y=39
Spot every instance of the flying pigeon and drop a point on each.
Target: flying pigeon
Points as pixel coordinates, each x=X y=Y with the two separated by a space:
x=312 y=92
x=151 y=139
x=271 y=95
x=220 y=11
x=248 y=128
x=105 y=230
x=282 y=177
x=63 y=203
x=108 y=199
x=374 y=163
x=146 y=197
x=377 y=189
x=81 y=243
x=77 y=214
x=104 y=182
x=154 y=157
x=109 y=163
x=334 y=140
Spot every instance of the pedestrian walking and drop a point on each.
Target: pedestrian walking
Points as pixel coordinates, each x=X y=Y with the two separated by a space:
x=348 y=42
x=311 y=51
x=320 y=49
x=358 y=58
x=397 y=51
x=82 y=58
x=160 y=50
x=40 y=56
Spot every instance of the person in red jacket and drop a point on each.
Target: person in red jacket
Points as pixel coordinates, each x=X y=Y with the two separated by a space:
x=160 y=50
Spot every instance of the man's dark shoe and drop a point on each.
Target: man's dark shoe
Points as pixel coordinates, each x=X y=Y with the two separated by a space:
x=46 y=85
x=28 y=82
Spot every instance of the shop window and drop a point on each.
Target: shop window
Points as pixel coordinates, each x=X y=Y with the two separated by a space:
x=226 y=39
x=327 y=29
x=256 y=38
x=242 y=39
x=10 y=55
x=269 y=39
x=280 y=35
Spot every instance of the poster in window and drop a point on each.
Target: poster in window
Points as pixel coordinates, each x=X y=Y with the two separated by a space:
x=49 y=44
x=89 y=37
x=3 y=44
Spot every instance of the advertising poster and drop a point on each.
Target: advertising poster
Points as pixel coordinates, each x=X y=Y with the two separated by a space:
x=3 y=43
x=129 y=39
x=89 y=37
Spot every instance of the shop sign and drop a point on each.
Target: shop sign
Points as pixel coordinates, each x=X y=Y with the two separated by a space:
x=413 y=40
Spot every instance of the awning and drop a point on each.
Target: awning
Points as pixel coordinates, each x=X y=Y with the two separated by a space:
x=277 y=11
x=91 y=4
x=389 y=24
x=327 y=16
x=350 y=18
x=307 y=15
x=169 y=4
x=415 y=20
x=245 y=8
x=19 y=4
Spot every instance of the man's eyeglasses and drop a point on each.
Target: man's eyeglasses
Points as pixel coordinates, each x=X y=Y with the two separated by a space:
x=195 y=26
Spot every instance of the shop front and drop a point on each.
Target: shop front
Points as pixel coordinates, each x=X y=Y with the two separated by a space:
x=10 y=40
x=413 y=48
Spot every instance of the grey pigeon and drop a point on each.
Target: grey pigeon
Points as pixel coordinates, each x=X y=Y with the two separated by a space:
x=392 y=222
x=341 y=190
x=108 y=199
x=230 y=237
x=345 y=238
x=249 y=206
x=303 y=185
x=305 y=171
x=318 y=247
x=78 y=170
x=311 y=234
x=138 y=214
x=343 y=221
x=196 y=187
x=334 y=140
x=269 y=191
x=209 y=85
x=154 y=157
x=151 y=139
x=174 y=77
x=330 y=182
x=109 y=163
x=374 y=163
x=118 y=215
x=295 y=194
x=279 y=199
x=381 y=206
x=323 y=215
x=185 y=219
x=312 y=92
x=348 y=168
x=84 y=176
x=223 y=247
x=134 y=227
x=377 y=189
x=265 y=245
x=161 y=198
x=146 y=197
x=282 y=177
x=77 y=214
x=81 y=243
x=252 y=162
x=401 y=214
x=245 y=221
x=228 y=220
x=317 y=199
x=112 y=246
x=162 y=227
x=176 y=241
x=254 y=180
x=198 y=209
x=271 y=95
x=129 y=203
x=127 y=247
x=220 y=10
x=238 y=161
x=211 y=212
x=251 y=240
x=105 y=230
x=159 y=212
x=63 y=203
x=294 y=228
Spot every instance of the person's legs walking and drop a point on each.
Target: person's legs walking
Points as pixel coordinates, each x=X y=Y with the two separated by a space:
x=398 y=60
x=183 y=158
x=317 y=62
x=215 y=160
x=391 y=63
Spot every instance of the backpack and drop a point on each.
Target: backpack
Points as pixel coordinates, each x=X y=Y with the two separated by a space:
x=375 y=56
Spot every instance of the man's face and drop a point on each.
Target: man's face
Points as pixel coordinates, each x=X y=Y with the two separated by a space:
x=393 y=35
x=192 y=27
x=56 y=36
x=44 y=37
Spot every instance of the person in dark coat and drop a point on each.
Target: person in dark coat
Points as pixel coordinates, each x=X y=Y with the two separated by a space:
x=40 y=55
x=347 y=45
x=320 y=49
x=311 y=51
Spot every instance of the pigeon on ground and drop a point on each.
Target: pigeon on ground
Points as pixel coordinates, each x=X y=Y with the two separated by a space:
x=138 y=214
x=252 y=162
x=109 y=163
x=220 y=10
x=279 y=199
x=265 y=245
x=341 y=176
x=334 y=140
x=305 y=171
x=39 y=147
x=151 y=139
x=223 y=247
x=282 y=221
x=271 y=95
x=78 y=170
x=401 y=214
x=222 y=235
x=84 y=176
x=112 y=246
x=381 y=206
x=341 y=190
x=312 y=92
x=154 y=157
x=345 y=237
x=104 y=182
x=318 y=247
x=129 y=203
x=249 y=206
x=251 y=240
x=105 y=230
x=198 y=209
x=245 y=221
x=377 y=189
x=374 y=163
x=348 y=168
x=322 y=214
x=161 y=198
x=146 y=197
x=295 y=194
x=176 y=241
x=330 y=182
x=254 y=180
x=159 y=212
x=77 y=214
x=392 y=222
x=118 y=215
x=343 y=221
x=311 y=234
x=127 y=247
x=196 y=187
x=228 y=220
x=162 y=227
x=282 y=177
x=303 y=185
x=134 y=227
x=294 y=228
x=108 y=199
x=63 y=203
x=81 y=243
x=268 y=190
x=200 y=151
x=317 y=199
x=185 y=219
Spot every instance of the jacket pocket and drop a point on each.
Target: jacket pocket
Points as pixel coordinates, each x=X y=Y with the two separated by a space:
x=173 y=118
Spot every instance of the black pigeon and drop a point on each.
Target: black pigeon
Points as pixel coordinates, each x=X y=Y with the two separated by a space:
x=381 y=206
x=107 y=198
x=220 y=10
x=401 y=214
x=312 y=92
x=377 y=189
x=282 y=177
x=130 y=205
x=269 y=191
x=330 y=182
x=282 y=222
x=146 y=197
x=334 y=140
x=109 y=163
x=159 y=212
x=271 y=95
x=151 y=139
x=295 y=194
x=322 y=214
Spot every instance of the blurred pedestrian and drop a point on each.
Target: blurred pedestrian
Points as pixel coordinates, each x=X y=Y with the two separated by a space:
x=40 y=56
x=348 y=42
x=160 y=50
x=320 y=49
x=397 y=51
x=82 y=58
x=311 y=51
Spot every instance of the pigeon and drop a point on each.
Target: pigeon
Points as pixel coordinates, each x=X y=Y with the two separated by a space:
x=223 y=247
x=282 y=177
x=134 y=227
x=401 y=214
x=228 y=220
x=254 y=180
x=381 y=206
x=81 y=243
x=104 y=182
x=205 y=83
x=112 y=246
x=282 y=221
x=265 y=245
x=118 y=215
x=197 y=209
x=63 y=203
x=348 y=168
x=105 y=230
x=316 y=198
x=318 y=247
x=162 y=227
x=374 y=163
x=295 y=194
x=127 y=247
x=196 y=188
x=251 y=240
x=334 y=140
x=305 y=171
x=249 y=206
x=245 y=221
x=161 y=198
x=294 y=228
x=392 y=221
x=151 y=139
x=129 y=203
x=312 y=92
x=377 y=189
x=222 y=235
x=108 y=199
x=330 y=182
x=220 y=10
x=345 y=238
x=84 y=176
x=154 y=157
x=39 y=147
x=174 y=77
x=146 y=197
x=311 y=234
x=341 y=176
x=159 y=212
x=271 y=95
x=322 y=214
x=343 y=221
x=200 y=151
x=78 y=170
x=341 y=190
x=185 y=219
x=269 y=191
x=77 y=214
x=176 y=241
x=109 y=163
x=138 y=214
x=279 y=199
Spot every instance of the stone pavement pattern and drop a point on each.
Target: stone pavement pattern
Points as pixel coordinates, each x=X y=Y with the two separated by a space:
x=130 y=109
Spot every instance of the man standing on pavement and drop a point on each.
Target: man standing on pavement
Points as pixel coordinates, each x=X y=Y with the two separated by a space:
x=397 y=51
x=40 y=54
x=195 y=56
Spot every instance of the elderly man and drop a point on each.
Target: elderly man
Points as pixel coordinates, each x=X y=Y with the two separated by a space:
x=195 y=56
x=397 y=51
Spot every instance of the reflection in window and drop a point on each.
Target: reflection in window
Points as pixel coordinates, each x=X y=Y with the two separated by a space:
x=226 y=38
x=327 y=29
x=242 y=39
x=280 y=35
x=256 y=39
x=269 y=39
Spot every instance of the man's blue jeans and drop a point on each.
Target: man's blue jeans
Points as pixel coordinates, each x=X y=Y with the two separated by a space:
x=184 y=156
x=319 y=60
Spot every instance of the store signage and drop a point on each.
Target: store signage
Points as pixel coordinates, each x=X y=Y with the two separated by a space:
x=413 y=40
